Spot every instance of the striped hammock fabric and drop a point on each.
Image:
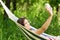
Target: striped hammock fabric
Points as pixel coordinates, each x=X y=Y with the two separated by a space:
x=30 y=35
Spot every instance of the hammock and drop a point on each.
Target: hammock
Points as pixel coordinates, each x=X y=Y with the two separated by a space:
x=30 y=35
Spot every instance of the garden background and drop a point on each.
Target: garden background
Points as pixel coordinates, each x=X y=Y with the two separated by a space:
x=34 y=11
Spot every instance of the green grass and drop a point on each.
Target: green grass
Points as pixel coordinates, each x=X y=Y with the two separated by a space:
x=0 y=34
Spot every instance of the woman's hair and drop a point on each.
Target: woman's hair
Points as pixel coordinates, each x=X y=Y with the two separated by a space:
x=21 y=21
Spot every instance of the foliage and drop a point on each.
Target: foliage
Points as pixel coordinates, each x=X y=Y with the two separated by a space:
x=54 y=2
x=35 y=13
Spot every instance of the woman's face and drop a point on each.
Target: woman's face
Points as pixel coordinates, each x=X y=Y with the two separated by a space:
x=26 y=23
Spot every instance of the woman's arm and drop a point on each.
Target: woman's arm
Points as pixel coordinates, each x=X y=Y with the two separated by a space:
x=47 y=23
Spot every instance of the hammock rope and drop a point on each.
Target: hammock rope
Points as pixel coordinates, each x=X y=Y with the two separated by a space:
x=9 y=13
x=30 y=35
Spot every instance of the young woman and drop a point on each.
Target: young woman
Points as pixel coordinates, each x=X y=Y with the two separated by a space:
x=24 y=22
x=40 y=31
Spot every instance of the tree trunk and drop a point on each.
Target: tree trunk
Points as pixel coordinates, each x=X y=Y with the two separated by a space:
x=14 y=5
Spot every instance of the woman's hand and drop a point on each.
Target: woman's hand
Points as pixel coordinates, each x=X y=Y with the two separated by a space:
x=48 y=8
